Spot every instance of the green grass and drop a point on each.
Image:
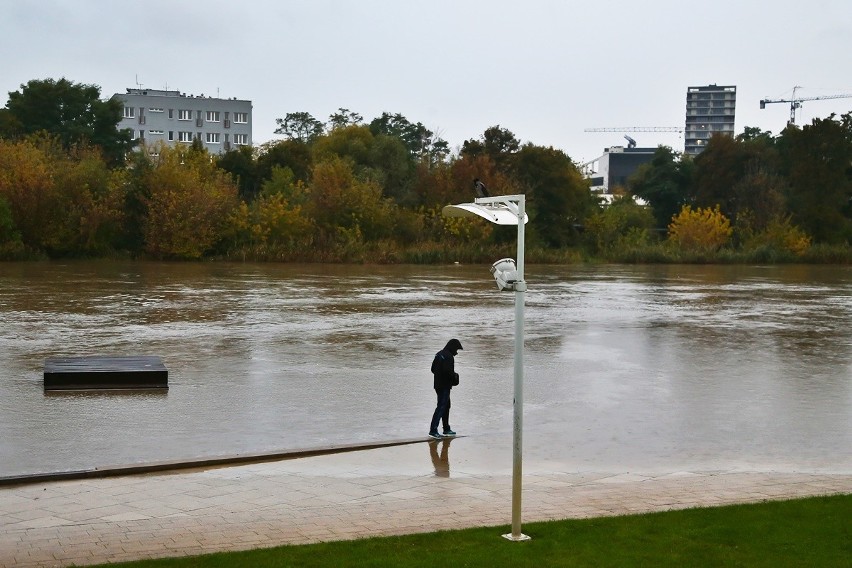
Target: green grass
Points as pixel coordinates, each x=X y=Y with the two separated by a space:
x=797 y=533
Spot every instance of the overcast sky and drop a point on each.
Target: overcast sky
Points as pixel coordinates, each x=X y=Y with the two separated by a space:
x=546 y=70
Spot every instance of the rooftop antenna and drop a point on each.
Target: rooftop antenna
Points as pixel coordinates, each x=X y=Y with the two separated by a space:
x=138 y=84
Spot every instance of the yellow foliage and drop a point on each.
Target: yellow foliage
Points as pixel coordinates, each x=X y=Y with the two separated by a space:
x=781 y=234
x=61 y=202
x=190 y=205
x=700 y=230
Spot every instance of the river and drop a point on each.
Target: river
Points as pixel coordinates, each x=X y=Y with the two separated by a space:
x=627 y=368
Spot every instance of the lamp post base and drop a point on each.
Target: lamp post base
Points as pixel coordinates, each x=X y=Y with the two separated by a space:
x=517 y=538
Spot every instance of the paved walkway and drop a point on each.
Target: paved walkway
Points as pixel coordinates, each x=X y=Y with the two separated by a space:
x=388 y=491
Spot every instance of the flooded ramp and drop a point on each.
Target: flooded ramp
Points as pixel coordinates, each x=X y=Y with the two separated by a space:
x=87 y=373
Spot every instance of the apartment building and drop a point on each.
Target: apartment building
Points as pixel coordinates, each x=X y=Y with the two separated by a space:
x=174 y=117
x=710 y=110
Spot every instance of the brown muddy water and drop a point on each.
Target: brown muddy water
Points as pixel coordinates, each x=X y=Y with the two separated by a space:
x=628 y=368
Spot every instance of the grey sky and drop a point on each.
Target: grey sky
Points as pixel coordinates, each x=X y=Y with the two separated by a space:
x=543 y=69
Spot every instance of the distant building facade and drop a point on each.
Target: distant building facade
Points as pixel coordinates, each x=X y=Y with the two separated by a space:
x=173 y=117
x=612 y=169
x=710 y=110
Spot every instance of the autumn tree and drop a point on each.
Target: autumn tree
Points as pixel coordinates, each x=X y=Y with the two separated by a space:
x=699 y=230
x=277 y=217
x=345 y=207
x=499 y=144
x=381 y=158
x=189 y=204
x=60 y=203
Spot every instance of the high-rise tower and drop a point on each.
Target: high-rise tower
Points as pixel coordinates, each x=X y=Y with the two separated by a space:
x=709 y=110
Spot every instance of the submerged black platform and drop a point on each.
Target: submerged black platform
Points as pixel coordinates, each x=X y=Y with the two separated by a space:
x=85 y=373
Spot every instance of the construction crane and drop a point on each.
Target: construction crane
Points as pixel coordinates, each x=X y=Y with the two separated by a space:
x=796 y=102
x=637 y=129
x=631 y=143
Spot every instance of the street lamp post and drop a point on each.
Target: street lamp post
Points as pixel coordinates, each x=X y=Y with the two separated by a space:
x=508 y=210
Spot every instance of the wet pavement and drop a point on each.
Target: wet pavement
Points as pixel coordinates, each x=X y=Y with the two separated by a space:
x=411 y=488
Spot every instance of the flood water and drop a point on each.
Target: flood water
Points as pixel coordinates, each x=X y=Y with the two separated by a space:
x=628 y=368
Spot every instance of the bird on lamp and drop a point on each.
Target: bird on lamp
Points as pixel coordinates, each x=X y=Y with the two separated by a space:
x=479 y=187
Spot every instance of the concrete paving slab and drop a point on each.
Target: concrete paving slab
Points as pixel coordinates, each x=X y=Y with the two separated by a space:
x=379 y=491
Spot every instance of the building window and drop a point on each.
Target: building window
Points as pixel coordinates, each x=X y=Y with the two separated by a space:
x=241 y=117
x=184 y=136
x=155 y=132
x=184 y=114
x=171 y=113
x=171 y=135
x=212 y=137
x=212 y=116
x=155 y=110
x=129 y=112
x=241 y=139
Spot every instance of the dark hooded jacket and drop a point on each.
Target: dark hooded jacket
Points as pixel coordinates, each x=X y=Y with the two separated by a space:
x=444 y=365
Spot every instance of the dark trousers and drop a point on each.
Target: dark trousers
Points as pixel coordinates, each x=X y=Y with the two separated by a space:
x=442 y=410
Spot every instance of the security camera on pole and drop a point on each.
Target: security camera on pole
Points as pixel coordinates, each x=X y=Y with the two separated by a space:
x=507 y=210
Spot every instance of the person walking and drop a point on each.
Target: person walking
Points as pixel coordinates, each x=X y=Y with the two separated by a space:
x=445 y=378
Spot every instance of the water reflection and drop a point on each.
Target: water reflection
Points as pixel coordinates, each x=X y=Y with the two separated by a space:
x=440 y=461
x=107 y=393
x=627 y=368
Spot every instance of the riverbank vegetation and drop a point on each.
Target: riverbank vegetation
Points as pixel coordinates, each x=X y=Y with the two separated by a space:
x=348 y=190
x=802 y=532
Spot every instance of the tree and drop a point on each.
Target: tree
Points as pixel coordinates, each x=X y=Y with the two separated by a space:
x=242 y=166
x=299 y=126
x=558 y=195
x=61 y=204
x=499 y=144
x=664 y=183
x=615 y=225
x=420 y=141
x=276 y=217
x=343 y=205
x=189 y=204
x=741 y=177
x=751 y=133
x=381 y=158
x=700 y=230
x=293 y=154
x=343 y=118
x=71 y=111
x=816 y=160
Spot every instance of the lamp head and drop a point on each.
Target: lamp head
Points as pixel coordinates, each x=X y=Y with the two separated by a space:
x=505 y=274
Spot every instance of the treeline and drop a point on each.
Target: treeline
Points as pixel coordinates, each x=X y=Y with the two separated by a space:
x=347 y=190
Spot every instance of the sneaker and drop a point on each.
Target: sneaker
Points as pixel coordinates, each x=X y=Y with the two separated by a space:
x=449 y=433
x=435 y=435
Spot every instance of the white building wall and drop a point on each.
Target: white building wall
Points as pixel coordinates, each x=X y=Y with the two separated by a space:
x=174 y=117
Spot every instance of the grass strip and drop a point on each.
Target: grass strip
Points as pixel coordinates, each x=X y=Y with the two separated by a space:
x=810 y=532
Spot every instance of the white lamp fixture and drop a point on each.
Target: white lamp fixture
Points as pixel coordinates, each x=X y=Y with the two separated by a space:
x=505 y=274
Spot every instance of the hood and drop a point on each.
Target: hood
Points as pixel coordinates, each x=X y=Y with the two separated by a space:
x=453 y=346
